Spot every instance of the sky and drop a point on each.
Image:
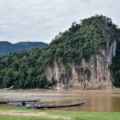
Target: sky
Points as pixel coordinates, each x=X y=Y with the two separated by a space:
x=42 y=20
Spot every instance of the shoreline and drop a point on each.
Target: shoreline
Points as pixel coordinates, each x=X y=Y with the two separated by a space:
x=96 y=100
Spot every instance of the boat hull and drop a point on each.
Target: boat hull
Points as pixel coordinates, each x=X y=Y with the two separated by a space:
x=12 y=101
x=60 y=106
x=3 y=102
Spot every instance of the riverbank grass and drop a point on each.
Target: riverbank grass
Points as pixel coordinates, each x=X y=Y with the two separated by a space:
x=11 y=113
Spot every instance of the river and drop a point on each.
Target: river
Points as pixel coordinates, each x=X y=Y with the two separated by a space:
x=96 y=100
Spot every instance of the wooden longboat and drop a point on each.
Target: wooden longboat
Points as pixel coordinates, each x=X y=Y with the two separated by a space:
x=60 y=106
x=12 y=101
x=3 y=102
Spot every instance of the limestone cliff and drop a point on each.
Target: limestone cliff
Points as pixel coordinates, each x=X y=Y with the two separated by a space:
x=91 y=74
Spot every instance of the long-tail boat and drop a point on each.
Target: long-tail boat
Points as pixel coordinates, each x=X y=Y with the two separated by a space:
x=22 y=101
x=59 y=106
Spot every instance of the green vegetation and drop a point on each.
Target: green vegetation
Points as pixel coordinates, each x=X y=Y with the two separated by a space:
x=30 y=114
x=26 y=69
x=6 y=47
x=13 y=117
x=23 y=69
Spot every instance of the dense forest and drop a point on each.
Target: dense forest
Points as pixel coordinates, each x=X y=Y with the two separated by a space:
x=25 y=69
x=7 y=47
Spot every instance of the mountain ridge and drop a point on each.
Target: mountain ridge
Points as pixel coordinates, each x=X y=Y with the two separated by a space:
x=7 y=47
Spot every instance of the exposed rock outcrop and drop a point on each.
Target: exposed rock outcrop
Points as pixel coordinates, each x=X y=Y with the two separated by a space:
x=91 y=74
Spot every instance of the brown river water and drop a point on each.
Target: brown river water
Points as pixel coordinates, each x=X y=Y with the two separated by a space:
x=96 y=100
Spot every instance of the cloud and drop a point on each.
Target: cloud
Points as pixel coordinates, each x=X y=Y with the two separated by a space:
x=41 y=20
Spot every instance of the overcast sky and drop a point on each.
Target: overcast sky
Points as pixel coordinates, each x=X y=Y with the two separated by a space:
x=42 y=20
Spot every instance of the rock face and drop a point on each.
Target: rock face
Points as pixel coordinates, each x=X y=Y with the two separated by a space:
x=91 y=74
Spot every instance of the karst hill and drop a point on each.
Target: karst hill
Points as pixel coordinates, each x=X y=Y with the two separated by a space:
x=85 y=56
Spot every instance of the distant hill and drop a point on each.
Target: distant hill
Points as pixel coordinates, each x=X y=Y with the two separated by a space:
x=6 y=47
